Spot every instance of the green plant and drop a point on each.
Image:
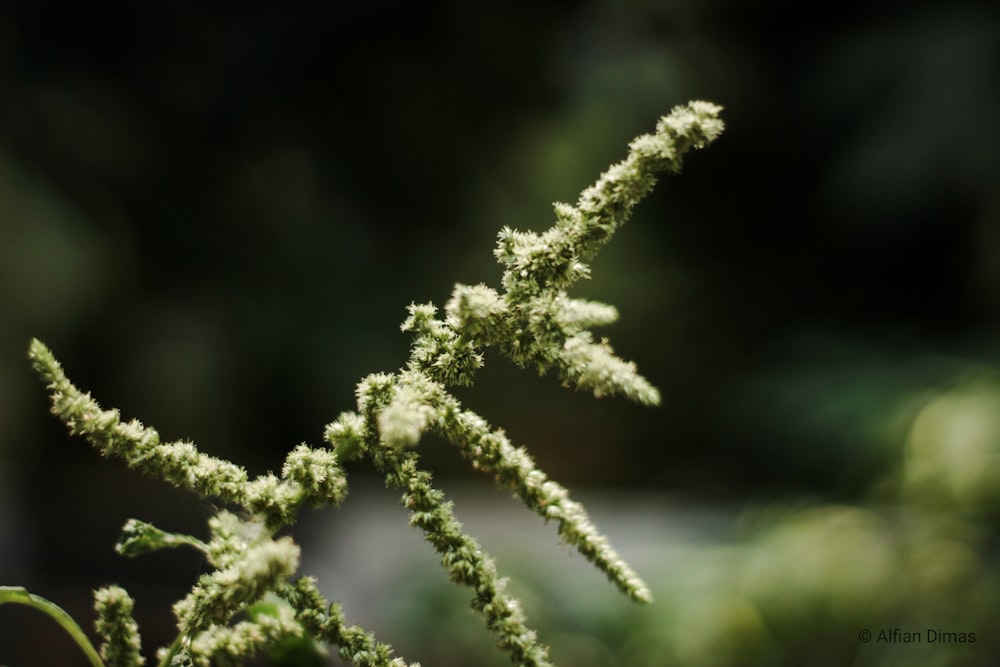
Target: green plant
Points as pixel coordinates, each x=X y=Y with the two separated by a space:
x=532 y=321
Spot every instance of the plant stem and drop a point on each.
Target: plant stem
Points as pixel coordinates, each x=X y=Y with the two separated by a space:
x=20 y=595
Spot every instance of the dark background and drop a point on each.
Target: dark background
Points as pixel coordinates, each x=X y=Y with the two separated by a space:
x=217 y=217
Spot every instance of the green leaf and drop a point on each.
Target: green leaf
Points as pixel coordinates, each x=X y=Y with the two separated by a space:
x=301 y=651
x=139 y=537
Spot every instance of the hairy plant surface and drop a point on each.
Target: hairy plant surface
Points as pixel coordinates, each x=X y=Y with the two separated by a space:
x=531 y=319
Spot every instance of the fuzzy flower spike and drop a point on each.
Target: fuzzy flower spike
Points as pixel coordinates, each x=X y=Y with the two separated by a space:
x=534 y=323
x=252 y=601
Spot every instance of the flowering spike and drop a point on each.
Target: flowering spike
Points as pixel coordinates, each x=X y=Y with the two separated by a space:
x=121 y=646
x=533 y=321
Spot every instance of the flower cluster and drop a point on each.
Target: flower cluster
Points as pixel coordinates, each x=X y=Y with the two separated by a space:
x=532 y=321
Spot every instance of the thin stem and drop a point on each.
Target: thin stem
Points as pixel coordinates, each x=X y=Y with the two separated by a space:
x=20 y=595
x=168 y=656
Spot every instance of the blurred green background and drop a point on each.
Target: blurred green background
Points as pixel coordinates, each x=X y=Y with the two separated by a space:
x=217 y=217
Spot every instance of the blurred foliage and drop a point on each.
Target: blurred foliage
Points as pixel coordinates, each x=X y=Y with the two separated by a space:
x=185 y=192
x=798 y=585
